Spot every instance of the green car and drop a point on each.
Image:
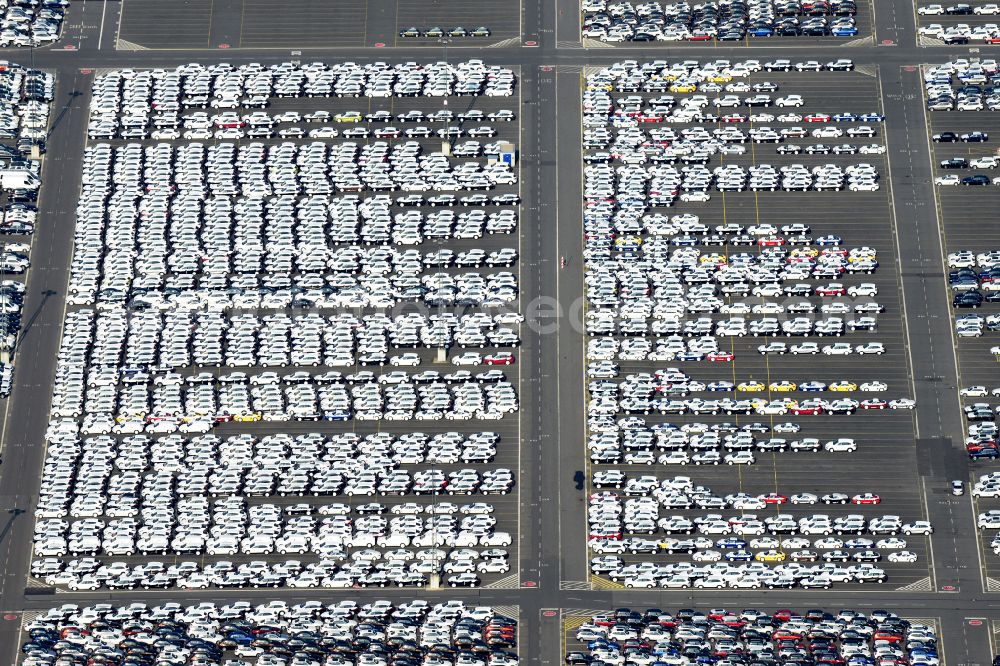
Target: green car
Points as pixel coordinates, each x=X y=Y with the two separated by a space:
x=458 y=32
x=481 y=31
x=409 y=32
x=434 y=32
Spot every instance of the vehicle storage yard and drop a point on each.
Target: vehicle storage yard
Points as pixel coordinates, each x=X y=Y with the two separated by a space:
x=575 y=349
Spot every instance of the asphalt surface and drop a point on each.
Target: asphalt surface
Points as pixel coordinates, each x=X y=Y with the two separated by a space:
x=552 y=548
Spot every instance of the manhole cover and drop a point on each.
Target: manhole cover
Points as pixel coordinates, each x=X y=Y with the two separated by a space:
x=379 y=44
x=531 y=43
x=223 y=46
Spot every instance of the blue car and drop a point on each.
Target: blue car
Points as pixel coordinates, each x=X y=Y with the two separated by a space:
x=812 y=386
x=845 y=117
x=844 y=32
x=871 y=117
x=689 y=356
x=739 y=556
x=731 y=542
x=720 y=386
x=761 y=32
x=829 y=240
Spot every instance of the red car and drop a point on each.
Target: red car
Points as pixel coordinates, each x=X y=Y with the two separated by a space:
x=650 y=119
x=874 y=403
x=699 y=37
x=817 y=118
x=773 y=498
x=500 y=358
x=866 y=498
x=734 y=118
x=720 y=356
x=831 y=290
x=799 y=410
x=771 y=241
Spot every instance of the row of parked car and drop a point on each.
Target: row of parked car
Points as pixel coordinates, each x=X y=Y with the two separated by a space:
x=170 y=495
x=25 y=104
x=221 y=290
x=127 y=104
x=660 y=292
x=31 y=23
x=630 y=519
x=124 y=380
x=857 y=638
x=300 y=228
x=961 y=85
x=728 y=21
x=308 y=633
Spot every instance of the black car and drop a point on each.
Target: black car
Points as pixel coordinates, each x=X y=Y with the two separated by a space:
x=954 y=163
x=975 y=137
x=945 y=137
x=967 y=299
x=959 y=10
x=978 y=179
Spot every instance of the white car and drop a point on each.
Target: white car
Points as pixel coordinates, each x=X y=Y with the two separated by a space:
x=842 y=445
x=468 y=358
x=950 y=179
x=902 y=556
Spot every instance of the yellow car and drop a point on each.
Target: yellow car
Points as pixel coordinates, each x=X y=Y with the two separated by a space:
x=247 y=418
x=628 y=240
x=715 y=259
x=842 y=386
x=134 y=416
x=720 y=78
x=770 y=556
x=804 y=252
x=750 y=387
x=348 y=117
x=683 y=88
x=599 y=86
x=783 y=386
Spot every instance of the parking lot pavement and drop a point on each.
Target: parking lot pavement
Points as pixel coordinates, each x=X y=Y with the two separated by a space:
x=245 y=404
x=953 y=23
x=502 y=20
x=727 y=365
x=968 y=244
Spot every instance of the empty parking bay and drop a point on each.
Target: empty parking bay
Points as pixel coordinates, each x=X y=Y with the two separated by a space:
x=154 y=24
x=303 y=23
